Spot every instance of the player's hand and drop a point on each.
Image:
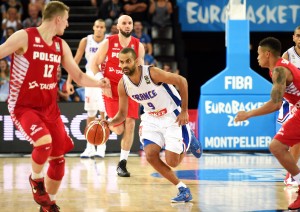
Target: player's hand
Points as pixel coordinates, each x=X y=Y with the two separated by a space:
x=101 y=121
x=182 y=118
x=69 y=88
x=107 y=122
x=241 y=116
x=106 y=87
x=107 y=92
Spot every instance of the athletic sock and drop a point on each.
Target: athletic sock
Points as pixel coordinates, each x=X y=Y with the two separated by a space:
x=124 y=154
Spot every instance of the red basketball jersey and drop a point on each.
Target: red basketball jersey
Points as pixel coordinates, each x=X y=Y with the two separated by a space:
x=292 y=91
x=33 y=82
x=112 y=70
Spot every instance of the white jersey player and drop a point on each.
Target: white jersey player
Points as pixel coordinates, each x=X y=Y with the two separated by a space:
x=93 y=96
x=164 y=122
x=161 y=105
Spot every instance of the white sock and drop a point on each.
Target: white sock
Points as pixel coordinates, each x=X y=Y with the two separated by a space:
x=124 y=154
x=180 y=184
x=52 y=197
x=37 y=175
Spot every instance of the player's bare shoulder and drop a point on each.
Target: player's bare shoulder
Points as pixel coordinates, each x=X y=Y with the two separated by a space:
x=156 y=74
x=285 y=55
x=156 y=70
x=18 y=41
x=83 y=40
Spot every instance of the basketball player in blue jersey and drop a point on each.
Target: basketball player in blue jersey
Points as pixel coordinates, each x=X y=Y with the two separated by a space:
x=287 y=110
x=164 y=122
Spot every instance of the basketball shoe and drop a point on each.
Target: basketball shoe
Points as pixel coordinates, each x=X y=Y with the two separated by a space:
x=40 y=195
x=195 y=146
x=100 y=152
x=296 y=204
x=50 y=208
x=121 y=169
x=289 y=180
x=184 y=195
x=89 y=151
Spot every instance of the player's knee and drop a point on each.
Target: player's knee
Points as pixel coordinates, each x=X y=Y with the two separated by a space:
x=41 y=153
x=56 y=169
x=46 y=139
x=152 y=157
x=277 y=148
x=118 y=129
x=172 y=162
x=130 y=124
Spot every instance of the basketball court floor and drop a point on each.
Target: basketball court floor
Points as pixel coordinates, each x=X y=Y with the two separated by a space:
x=218 y=182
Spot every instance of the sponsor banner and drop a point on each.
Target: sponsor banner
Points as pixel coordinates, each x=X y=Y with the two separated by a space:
x=264 y=15
x=236 y=88
x=74 y=118
x=219 y=131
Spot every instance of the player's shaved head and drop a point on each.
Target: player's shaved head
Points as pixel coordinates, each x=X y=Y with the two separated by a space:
x=124 y=18
x=125 y=25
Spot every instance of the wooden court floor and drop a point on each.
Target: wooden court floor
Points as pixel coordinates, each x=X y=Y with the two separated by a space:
x=218 y=182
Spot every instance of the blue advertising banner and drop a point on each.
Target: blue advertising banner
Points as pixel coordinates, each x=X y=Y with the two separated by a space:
x=218 y=131
x=263 y=15
x=234 y=89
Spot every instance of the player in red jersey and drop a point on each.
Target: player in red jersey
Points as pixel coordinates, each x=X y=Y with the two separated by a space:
x=286 y=83
x=292 y=55
x=108 y=52
x=36 y=55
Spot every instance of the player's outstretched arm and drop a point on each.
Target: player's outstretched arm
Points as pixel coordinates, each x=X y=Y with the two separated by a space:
x=279 y=76
x=123 y=106
x=78 y=56
x=99 y=56
x=75 y=72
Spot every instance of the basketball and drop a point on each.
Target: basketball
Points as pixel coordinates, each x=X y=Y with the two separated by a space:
x=97 y=132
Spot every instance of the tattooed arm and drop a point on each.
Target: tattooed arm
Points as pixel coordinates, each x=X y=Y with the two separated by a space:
x=279 y=77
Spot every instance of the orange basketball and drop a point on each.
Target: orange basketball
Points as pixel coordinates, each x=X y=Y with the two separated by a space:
x=97 y=132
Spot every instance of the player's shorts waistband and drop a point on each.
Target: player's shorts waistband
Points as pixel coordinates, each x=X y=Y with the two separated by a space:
x=163 y=112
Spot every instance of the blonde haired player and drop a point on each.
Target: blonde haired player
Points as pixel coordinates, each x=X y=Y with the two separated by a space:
x=37 y=53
